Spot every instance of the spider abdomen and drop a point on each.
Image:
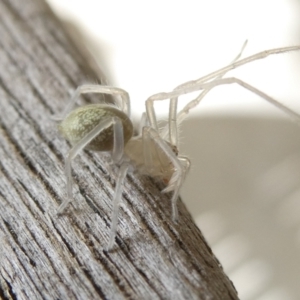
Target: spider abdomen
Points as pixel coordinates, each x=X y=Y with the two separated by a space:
x=79 y=122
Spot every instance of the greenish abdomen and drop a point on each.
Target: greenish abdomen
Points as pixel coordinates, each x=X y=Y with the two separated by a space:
x=82 y=120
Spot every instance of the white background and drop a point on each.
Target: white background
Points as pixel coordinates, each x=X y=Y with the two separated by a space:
x=146 y=47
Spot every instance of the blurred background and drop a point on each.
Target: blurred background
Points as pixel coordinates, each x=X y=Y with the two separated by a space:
x=244 y=186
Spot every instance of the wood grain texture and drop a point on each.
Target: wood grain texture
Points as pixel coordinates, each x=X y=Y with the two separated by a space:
x=44 y=256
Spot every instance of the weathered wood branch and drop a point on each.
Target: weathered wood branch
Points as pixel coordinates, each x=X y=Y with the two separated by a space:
x=44 y=256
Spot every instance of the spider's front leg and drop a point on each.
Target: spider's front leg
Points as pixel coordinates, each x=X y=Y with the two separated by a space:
x=95 y=89
x=259 y=93
x=174 y=118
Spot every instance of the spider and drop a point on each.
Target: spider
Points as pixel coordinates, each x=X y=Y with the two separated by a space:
x=154 y=152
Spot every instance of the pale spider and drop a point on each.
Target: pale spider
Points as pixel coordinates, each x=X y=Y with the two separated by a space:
x=106 y=127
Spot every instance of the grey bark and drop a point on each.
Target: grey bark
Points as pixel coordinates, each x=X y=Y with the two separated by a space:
x=44 y=256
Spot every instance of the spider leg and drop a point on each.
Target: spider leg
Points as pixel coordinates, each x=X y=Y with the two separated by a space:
x=95 y=88
x=186 y=165
x=142 y=124
x=118 y=149
x=193 y=103
x=209 y=85
x=236 y=64
x=173 y=119
x=116 y=153
x=116 y=203
x=172 y=127
x=254 y=90
x=220 y=73
x=178 y=176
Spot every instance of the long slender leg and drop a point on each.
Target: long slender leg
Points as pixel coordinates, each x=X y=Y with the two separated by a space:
x=177 y=177
x=190 y=85
x=74 y=152
x=254 y=90
x=142 y=124
x=116 y=204
x=170 y=95
x=222 y=72
x=93 y=88
x=186 y=165
x=182 y=114
x=209 y=85
x=173 y=132
x=260 y=55
x=173 y=117
x=118 y=149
